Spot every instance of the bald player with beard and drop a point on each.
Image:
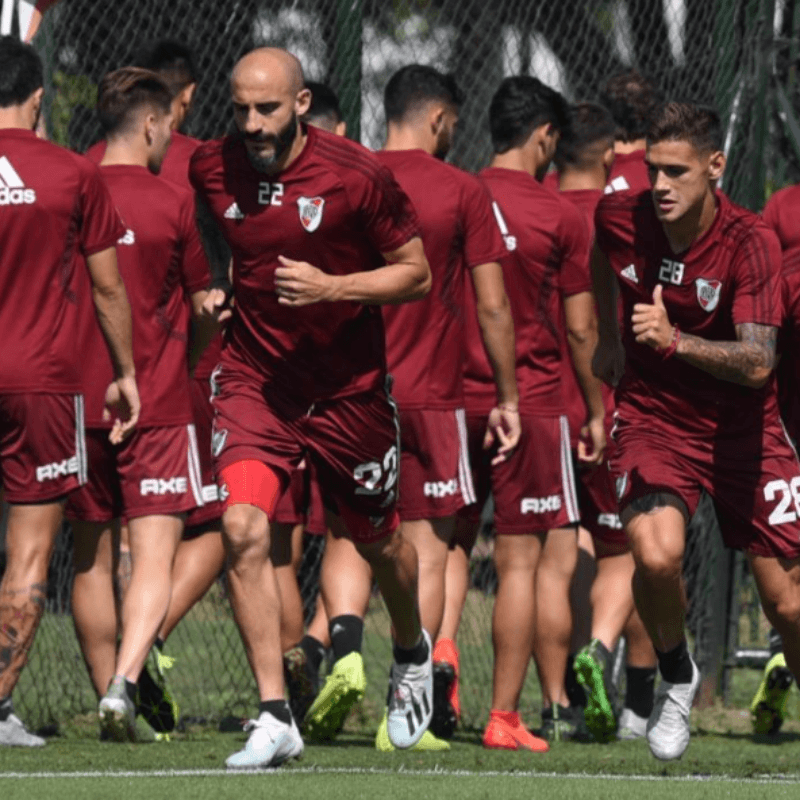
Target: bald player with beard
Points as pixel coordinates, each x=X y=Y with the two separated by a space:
x=321 y=237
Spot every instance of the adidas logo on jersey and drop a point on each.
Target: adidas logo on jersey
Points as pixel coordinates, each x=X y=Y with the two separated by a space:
x=12 y=188
x=233 y=212
x=128 y=238
x=619 y=184
x=630 y=273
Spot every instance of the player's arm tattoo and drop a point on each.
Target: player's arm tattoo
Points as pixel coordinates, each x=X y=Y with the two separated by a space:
x=20 y=612
x=747 y=361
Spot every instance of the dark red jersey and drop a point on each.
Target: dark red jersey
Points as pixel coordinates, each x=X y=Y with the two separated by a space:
x=162 y=262
x=53 y=208
x=335 y=207
x=628 y=173
x=547 y=259
x=729 y=276
x=781 y=214
x=425 y=347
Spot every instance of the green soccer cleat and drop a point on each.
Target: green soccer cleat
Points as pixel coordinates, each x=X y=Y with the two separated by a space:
x=768 y=709
x=428 y=742
x=590 y=669
x=343 y=688
x=562 y=724
x=154 y=700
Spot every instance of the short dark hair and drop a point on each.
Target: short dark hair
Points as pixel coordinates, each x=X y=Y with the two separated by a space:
x=591 y=131
x=413 y=86
x=324 y=102
x=21 y=72
x=631 y=98
x=123 y=92
x=519 y=106
x=681 y=121
x=172 y=61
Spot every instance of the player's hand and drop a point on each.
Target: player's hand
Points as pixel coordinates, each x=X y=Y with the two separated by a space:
x=503 y=429
x=608 y=362
x=217 y=305
x=592 y=444
x=650 y=323
x=123 y=404
x=298 y=283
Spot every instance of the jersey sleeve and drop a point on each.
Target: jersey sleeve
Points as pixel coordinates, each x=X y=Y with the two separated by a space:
x=387 y=215
x=195 y=272
x=576 y=249
x=483 y=242
x=756 y=271
x=101 y=226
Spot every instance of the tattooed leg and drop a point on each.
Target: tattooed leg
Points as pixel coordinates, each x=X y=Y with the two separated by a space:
x=20 y=612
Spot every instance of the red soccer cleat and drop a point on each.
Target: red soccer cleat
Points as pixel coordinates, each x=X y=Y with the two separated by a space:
x=505 y=731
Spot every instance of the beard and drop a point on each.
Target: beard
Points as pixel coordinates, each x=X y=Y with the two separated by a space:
x=280 y=141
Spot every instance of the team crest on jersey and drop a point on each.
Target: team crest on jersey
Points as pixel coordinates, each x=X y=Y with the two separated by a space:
x=310 y=209
x=708 y=293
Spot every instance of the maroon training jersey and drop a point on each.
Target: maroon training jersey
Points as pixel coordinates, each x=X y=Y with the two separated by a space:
x=729 y=276
x=781 y=214
x=335 y=207
x=53 y=207
x=425 y=347
x=162 y=262
x=628 y=173
x=547 y=259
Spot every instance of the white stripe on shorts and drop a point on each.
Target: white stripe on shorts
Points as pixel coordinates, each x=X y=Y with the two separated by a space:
x=567 y=474
x=464 y=471
x=195 y=473
x=80 y=440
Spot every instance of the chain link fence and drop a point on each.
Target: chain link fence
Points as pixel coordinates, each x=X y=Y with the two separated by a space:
x=738 y=55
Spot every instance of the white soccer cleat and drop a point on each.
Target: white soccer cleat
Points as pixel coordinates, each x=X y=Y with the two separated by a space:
x=117 y=713
x=271 y=742
x=13 y=733
x=410 y=700
x=668 y=726
x=631 y=726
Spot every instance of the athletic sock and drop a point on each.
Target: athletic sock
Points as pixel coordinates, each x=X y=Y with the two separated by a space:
x=314 y=650
x=159 y=643
x=278 y=708
x=675 y=666
x=639 y=690
x=6 y=709
x=130 y=690
x=775 y=643
x=416 y=655
x=347 y=632
x=575 y=693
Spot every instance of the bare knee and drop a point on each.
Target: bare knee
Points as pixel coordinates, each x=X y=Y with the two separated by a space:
x=246 y=534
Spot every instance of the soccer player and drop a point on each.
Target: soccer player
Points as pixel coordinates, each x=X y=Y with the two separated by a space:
x=546 y=272
x=631 y=98
x=324 y=111
x=155 y=477
x=699 y=280
x=54 y=212
x=322 y=237
x=584 y=159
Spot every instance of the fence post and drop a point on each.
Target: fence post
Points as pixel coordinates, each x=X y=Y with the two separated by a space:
x=347 y=62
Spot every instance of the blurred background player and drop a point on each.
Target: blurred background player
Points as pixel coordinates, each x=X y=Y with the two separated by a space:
x=54 y=212
x=324 y=111
x=584 y=159
x=536 y=511
x=154 y=478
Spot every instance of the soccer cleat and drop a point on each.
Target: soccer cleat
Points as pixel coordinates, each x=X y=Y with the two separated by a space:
x=768 y=709
x=344 y=687
x=300 y=681
x=599 y=714
x=505 y=731
x=428 y=742
x=559 y=724
x=410 y=700
x=13 y=733
x=117 y=713
x=271 y=742
x=446 y=706
x=668 y=726
x=154 y=701
x=631 y=726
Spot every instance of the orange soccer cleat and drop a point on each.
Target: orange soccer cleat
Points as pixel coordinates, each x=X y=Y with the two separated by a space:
x=505 y=731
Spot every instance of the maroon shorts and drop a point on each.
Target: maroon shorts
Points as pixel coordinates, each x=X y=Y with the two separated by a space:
x=754 y=480
x=301 y=503
x=598 y=507
x=351 y=442
x=534 y=490
x=42 y=446
x=155 y=471
x=435 y=476
x=203 y=413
